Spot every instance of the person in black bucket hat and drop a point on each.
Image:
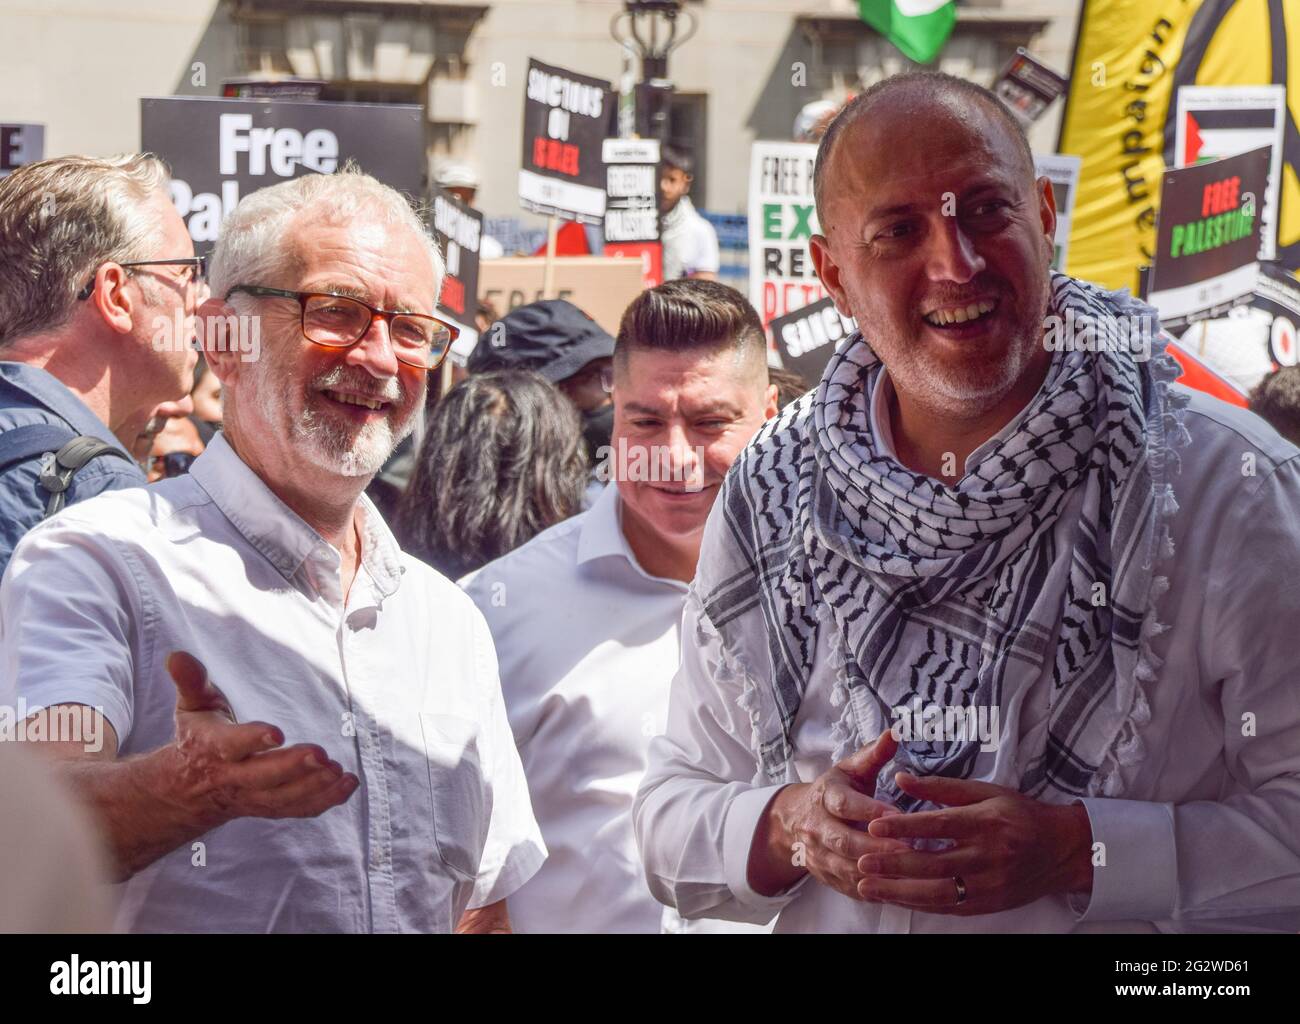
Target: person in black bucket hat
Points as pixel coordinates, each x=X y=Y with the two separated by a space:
x=564 y=345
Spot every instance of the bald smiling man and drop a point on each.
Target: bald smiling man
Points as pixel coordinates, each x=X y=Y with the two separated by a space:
x=994 y=629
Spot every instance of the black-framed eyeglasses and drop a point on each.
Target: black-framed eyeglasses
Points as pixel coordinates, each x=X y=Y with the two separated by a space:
x=197 y=264
x=340 y=321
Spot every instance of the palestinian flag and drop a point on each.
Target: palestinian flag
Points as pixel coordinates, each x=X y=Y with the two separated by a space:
x=917 y=27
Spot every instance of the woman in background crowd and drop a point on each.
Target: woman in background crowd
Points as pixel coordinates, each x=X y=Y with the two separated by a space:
x=502 y=460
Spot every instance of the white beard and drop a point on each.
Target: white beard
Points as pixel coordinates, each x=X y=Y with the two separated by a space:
x=327 y=443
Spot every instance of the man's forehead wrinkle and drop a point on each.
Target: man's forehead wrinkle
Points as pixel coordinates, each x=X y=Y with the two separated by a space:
x=874 y=189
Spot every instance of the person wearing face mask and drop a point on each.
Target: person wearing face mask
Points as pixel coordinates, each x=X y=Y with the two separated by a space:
x=567 y=347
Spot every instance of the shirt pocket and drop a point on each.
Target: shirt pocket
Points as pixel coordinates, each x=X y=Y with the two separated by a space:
x=455 y=791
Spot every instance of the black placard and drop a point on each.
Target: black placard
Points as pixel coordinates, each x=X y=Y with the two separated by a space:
x=459 y=230
x=1028 y=86
x=221 y=150
x=1208 y=234
x=807 y=338
x=567 y=117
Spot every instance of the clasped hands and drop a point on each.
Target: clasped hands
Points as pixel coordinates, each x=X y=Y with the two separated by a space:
x=1005 y=849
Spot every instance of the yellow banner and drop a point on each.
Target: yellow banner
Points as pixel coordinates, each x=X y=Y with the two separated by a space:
x=1130 y=58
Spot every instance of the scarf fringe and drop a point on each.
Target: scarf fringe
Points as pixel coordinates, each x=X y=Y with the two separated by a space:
x=844 y=730
x=1128 y=750
x=733 y=671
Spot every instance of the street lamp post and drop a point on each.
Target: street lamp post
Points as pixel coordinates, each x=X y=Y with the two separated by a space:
x=653 y=29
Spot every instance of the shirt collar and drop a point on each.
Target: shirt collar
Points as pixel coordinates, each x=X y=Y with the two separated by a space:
x=680 y=213
x=58 y=398
x=884 y=434
x=602 y=536
x=279 y=533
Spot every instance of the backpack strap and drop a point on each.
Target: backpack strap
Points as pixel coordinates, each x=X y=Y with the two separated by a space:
x=57 y=472
x=64 y=452
x=23 y=443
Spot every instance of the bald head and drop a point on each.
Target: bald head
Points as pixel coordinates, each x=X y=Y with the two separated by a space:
x=915 y=101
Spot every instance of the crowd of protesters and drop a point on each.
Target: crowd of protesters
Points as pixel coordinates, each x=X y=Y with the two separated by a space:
x=609 y=637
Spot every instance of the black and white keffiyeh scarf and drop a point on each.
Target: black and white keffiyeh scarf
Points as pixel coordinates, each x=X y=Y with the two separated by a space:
x=965 y=595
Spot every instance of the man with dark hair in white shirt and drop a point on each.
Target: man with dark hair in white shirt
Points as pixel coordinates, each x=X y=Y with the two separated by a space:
x=260 y=600
x=587 y=615
x=690 y=243
x=994 y=629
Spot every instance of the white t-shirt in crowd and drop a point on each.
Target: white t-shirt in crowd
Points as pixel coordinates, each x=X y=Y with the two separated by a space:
x=588 y=643
x=398 y=683
x=690 y=245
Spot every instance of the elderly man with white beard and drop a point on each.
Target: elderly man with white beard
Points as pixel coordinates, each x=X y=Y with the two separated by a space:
x=255 y=641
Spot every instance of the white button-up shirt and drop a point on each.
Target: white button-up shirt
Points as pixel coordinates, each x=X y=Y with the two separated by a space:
x=588 y=643
x=398 y=683
x=1207 y=835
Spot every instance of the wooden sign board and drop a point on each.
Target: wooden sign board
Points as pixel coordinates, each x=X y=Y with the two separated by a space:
x=601 y=286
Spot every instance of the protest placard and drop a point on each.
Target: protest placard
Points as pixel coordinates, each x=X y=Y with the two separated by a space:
x=20 y=144
x=806 y=338
x=1219 y=121
x=567 y=117
x=632 y=204
x=1207 y=238
x=782 y=220
x=600 y=286
x=1063 y=172
x=1028 y=86
x=459 y=231
x=220 y=150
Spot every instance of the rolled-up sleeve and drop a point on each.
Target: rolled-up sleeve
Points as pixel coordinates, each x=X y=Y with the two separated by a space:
x=697 y=807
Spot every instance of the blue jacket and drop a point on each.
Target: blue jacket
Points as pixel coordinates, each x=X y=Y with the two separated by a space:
x=30 y=395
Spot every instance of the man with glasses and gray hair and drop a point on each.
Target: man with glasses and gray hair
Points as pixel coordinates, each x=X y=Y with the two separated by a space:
x=254 y=642
x=97 y=301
